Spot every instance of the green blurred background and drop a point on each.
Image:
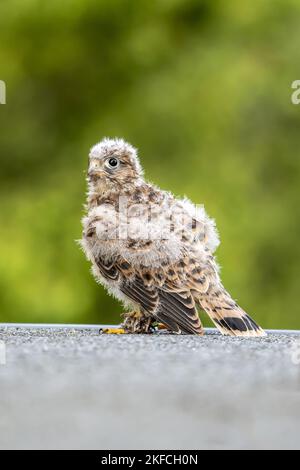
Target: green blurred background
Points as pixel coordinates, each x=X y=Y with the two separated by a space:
x=201 y=87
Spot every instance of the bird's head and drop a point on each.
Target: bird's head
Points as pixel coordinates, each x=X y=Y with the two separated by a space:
x=113 y=164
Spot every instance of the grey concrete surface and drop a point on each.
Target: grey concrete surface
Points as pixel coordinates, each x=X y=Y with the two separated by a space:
x=76 y=389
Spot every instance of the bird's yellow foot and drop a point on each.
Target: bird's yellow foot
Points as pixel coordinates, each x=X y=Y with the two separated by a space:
x=161 y=326
x=132 y=325
x=112 y=331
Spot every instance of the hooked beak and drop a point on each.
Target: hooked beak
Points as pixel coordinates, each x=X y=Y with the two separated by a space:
x=94 y=173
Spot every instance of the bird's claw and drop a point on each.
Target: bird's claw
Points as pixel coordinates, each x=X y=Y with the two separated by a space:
x=151 y=328
x=112 y=331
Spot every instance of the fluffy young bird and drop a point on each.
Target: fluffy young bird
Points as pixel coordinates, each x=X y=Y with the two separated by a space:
x=153 y=251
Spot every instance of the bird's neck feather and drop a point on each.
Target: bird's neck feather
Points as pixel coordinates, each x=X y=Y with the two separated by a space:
x=97 y=196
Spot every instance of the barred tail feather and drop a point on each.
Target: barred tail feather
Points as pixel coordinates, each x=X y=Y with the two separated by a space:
x=228 y=317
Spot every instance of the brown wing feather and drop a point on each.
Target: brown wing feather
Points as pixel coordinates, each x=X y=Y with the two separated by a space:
x=226 y=314
x=108 y=269
x=181 y=310
x=145 y=296
x=158 y=293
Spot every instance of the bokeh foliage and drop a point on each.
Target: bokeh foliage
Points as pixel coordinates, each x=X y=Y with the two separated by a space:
x=201 y=87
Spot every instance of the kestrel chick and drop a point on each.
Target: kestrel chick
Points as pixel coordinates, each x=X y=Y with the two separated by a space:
x=152 y=251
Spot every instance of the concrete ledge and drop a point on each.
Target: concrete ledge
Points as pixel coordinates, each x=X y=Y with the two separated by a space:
x=66 y=386
x=78 y=326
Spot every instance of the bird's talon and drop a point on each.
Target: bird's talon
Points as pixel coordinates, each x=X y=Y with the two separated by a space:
x=112 y=331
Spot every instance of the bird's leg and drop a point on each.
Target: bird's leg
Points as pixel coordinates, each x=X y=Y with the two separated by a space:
x=134 y=322
x=137 y=322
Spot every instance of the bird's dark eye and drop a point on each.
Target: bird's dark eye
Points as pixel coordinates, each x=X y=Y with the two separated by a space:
x=113 y=162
